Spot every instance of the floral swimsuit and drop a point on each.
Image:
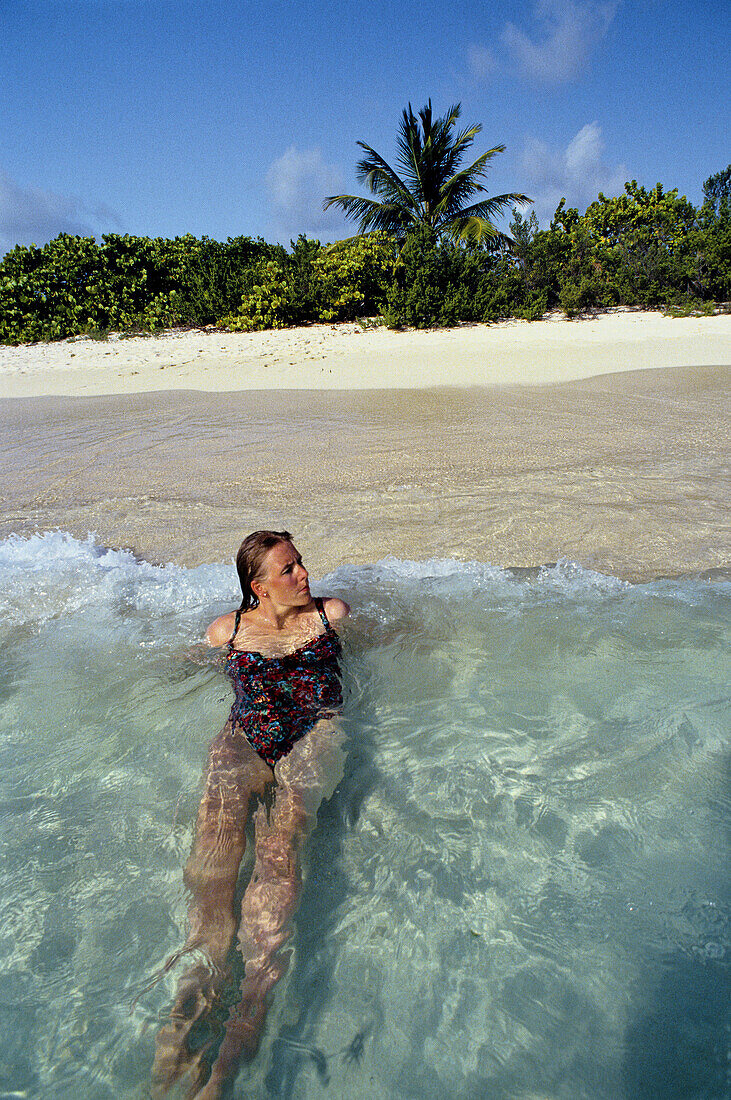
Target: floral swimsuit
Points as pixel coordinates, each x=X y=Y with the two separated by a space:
x=279 y=699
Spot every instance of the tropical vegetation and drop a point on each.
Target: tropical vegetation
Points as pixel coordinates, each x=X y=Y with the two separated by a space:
x=433 y=190
x=644 y=247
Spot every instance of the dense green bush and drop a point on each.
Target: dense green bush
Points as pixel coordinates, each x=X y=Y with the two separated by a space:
x=435 y=283
x=513 y=284
x=43 y=292
x=641 y=248
x=438 y=282
x=354 y=277
x=313 y=283
x=268 y=303
x=216 y=275
x=708 y=246
x=73 y=285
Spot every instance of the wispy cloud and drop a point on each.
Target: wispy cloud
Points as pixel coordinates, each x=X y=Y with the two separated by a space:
x=30 y=215
x=482 y=62
x=554 y=49
x=298 y=182
x=577 y=173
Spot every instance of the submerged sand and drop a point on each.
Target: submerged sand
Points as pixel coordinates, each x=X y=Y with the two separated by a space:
x=624 y=472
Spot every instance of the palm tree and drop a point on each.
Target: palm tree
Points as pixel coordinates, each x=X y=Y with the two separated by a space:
x=432 y=190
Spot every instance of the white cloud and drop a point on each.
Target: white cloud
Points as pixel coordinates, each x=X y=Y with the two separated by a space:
x=557 y=50
x=29 y=215
x=569 y=29
x=299 y=181
x=482 y=62
x=577 y=173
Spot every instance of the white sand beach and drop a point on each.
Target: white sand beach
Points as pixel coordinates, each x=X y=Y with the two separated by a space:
x=351 y=356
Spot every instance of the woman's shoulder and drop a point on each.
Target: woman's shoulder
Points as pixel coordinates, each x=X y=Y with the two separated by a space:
x=220 y=631
x=335 y=608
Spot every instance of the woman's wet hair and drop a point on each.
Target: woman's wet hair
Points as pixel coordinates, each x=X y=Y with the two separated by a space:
x=249 y=560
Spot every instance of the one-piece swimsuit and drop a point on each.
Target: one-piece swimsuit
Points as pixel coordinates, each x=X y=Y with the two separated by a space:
x=279 y=699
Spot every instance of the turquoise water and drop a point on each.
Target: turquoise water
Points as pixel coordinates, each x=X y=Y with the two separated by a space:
x=519 y=889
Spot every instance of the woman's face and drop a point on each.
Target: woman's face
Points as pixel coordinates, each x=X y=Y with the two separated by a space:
x=284 y=578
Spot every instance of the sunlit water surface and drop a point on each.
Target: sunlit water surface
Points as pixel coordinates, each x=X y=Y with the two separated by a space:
x=518 y=890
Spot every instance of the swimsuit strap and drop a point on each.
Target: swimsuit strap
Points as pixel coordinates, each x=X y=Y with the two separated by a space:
x=320 y=607
x=236 y=628
x=318 y=604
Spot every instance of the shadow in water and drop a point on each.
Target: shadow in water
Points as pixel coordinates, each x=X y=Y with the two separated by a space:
x=677 y=1046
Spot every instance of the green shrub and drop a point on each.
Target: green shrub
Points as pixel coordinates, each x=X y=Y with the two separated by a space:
x=436 y=283
x=692 y=307
x=627 y=250
x=52 y=292
x=218 y=274
x=313 y=283
x=354 y=277
x=533 y=309
x=270 y=303
x=73 y=285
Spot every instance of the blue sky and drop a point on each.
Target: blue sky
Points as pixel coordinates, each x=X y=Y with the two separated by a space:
x=221 y=117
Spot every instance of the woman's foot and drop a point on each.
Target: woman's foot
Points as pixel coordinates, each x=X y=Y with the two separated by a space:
x=173 y=1057
x=244 y=1029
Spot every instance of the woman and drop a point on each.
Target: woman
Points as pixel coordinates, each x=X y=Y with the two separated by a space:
x=282 y=655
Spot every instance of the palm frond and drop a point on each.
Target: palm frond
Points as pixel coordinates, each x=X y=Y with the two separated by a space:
x=473 y=229
x=372 y=161
x=496 y=204
x=451 y=116
x=459 y=189
x=474 y=171
x=454 y=146
x=410 y=149
x=378 y=176
x=371 y=215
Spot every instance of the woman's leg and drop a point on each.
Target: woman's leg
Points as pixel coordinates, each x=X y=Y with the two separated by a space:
x=305 y=777
x=235 y=772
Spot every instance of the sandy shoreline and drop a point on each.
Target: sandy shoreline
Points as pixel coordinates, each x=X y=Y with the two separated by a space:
x=603 y=441
x=625 y=473
x=349 y=357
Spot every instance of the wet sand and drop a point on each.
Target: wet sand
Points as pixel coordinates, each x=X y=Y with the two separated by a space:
x=625 y=473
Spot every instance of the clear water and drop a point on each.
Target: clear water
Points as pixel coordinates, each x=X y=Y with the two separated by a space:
x=520 y=888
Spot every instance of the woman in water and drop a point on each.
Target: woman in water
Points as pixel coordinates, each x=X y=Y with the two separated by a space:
x=279 y=744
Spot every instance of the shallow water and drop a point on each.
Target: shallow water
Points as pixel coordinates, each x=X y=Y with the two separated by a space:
x=518 y=890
